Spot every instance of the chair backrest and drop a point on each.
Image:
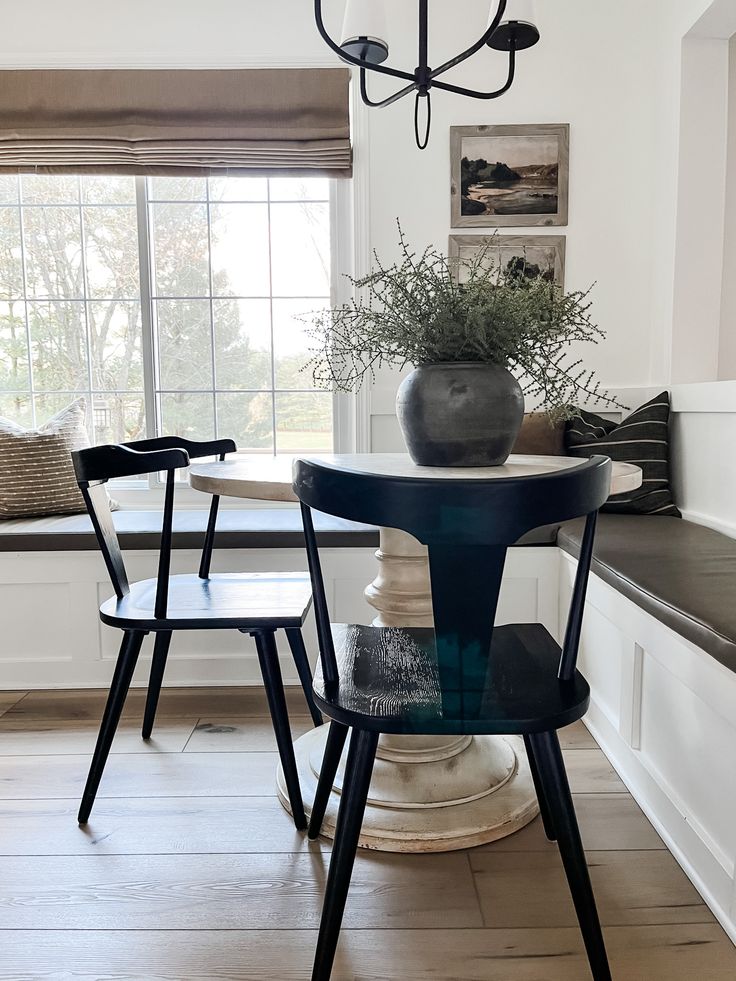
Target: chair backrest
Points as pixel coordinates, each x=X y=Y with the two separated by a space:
x=467 y=525
x=95 y=465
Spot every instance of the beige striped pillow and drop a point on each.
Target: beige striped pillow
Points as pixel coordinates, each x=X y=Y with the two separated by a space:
x=36 y=471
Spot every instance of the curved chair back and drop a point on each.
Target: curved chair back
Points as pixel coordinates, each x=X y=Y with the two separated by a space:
x=95 y=465
x=467 y=524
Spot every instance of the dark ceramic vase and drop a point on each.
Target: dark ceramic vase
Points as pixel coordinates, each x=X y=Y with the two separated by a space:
x=460 y=415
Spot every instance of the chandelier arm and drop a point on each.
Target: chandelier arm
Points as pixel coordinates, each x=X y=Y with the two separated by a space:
x=384 y=102
x=458 y=90
x=351 y=59
x=475 y=47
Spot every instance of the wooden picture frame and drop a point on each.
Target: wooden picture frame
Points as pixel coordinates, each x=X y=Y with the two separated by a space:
x=539 y=250
x=508 y=191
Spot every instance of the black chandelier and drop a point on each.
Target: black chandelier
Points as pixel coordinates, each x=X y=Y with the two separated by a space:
x=366 y=48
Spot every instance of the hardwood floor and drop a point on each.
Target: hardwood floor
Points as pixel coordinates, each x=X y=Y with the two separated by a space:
x=190 y=869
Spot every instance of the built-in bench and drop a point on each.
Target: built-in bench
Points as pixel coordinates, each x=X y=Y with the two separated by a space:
x=236 y=528
x=681 y=573
x=659 y=651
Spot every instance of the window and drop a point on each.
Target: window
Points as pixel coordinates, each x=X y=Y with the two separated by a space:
x=173 y=304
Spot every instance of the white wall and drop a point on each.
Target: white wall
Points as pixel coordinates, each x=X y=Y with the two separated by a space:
x=700 y=210
x=591 y=70
x=694 y=122
x=727 y=341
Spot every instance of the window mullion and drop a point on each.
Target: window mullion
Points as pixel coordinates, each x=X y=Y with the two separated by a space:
x=148 y=345
x=24 y=273
x=86 y=311
x=274 y=443
x=211 y=288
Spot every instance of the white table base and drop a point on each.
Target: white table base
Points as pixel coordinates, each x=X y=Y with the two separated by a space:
x=428 y=793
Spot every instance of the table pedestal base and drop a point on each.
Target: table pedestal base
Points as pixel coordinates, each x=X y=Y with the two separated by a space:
x=411 y=805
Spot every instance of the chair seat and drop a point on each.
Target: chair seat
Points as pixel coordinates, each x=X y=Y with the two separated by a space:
x=235 y=600
x=391 y=679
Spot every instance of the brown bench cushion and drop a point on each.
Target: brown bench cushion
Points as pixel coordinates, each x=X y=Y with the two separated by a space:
x=682 y=573
x=236 y=528
x=255 y=528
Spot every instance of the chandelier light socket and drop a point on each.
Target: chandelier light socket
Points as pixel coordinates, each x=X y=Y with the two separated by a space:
x=518 y=28
x=364 y=30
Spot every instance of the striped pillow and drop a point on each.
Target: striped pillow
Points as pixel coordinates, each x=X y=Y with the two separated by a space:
x=36 y=472
x=643 y=439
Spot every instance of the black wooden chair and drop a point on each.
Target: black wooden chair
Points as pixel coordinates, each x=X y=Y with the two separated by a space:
x=255 y=604
x=463 y=676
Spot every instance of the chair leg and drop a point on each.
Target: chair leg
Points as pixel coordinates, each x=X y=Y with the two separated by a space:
x=557 y=791
x=330 y=761
x=349 y=820
x=158 y=666
x=299 y=653
x=127 y=658
x=539 y=788
x=268 y=658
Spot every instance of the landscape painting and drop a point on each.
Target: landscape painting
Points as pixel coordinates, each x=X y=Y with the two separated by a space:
x=509 y=175
x=527 y=256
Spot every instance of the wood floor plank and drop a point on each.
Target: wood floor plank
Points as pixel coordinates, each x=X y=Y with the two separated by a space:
x=131 y=775
x=26 y=737
x=589 y=772
x=215 y=734
x=526 y=890
x=576 y=736
x=156 y=826
x=657 y=953
x=88 y=704
x=8 y=699
x=225 y=892
x=608 y=822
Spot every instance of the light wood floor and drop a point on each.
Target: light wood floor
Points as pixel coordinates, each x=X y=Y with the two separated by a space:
x=190 y=869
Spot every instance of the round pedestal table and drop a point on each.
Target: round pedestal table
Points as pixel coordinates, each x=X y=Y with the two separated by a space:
x=428 y=793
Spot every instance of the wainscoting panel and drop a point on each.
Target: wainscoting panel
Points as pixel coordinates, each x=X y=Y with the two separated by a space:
x=52 y=636
x=672 y=738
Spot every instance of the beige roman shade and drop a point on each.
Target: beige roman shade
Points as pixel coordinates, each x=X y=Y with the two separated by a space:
x=193 y=122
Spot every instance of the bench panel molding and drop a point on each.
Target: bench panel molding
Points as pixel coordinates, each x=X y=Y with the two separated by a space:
x=81 y=652
x=673 y=737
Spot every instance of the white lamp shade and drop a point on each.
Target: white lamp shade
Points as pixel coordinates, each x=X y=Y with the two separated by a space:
x=519 y=10
x=365 y=18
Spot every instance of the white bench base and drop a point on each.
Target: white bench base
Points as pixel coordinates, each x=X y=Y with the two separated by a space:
x=52 y=636
x=664 y=712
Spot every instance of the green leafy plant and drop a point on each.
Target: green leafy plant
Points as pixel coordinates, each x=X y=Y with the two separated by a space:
x=429 y=309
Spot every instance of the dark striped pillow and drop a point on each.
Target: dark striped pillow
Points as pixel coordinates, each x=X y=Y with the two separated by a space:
x=36 y=471
x=643 y=439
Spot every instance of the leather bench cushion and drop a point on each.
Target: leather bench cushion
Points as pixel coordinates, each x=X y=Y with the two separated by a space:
x=682 y=573
x=246 y=528
x=254 y=528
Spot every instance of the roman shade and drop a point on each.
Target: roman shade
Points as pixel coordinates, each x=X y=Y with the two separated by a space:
x=183 y=122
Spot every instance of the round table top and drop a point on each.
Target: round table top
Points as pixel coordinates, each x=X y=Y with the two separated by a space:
x=267 y=478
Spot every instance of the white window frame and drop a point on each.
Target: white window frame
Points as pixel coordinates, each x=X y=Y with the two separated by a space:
x=351 y=421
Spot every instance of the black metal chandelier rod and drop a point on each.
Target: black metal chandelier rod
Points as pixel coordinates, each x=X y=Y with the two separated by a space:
x=424 y=78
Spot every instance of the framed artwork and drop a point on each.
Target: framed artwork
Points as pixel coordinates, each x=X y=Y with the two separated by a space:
x=509 y=175
x=529 y=255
